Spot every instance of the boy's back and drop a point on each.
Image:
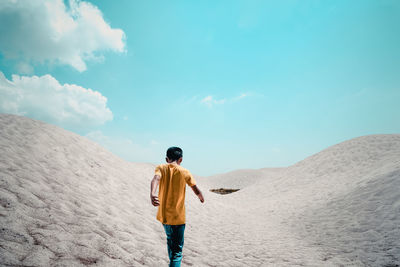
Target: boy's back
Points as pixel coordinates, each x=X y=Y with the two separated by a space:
x=171 y=193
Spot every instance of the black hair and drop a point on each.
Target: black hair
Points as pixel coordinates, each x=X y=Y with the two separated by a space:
x=174 y=153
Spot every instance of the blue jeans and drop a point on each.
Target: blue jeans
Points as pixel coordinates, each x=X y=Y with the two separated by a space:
x=175 y=243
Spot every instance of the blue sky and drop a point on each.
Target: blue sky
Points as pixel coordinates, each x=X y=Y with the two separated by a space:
x=236 y=84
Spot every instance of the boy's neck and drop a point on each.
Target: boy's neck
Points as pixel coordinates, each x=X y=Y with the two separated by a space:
x=176 y=162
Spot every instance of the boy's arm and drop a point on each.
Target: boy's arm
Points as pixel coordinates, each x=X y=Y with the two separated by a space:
x=153 y=190
x=198 y=193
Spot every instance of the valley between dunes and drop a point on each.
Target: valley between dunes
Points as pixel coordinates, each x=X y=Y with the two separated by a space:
x=66 y=201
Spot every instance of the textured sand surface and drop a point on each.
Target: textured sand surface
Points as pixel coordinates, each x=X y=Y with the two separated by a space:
x=66 y=201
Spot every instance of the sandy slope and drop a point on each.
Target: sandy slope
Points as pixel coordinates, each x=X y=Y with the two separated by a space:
x=239 y=179
x=65 y=201
x=343 y=202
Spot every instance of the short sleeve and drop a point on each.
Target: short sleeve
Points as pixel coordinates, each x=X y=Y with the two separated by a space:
x=189 y=179
x=157 y=171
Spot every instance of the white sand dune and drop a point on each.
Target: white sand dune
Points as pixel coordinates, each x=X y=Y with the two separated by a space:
x=66 y=201
x=343 y=203
x=239 y=179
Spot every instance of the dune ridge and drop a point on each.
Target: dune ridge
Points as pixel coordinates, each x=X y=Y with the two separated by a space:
x=66 y=201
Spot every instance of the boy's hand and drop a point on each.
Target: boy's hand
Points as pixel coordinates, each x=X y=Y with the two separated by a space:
x=198 y=193
x=154 y=200
x=201 y=197
x=153 y=190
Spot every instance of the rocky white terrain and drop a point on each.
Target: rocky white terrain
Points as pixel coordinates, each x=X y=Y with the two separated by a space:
x=66 y=201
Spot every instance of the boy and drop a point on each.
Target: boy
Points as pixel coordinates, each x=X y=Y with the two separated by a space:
x=171 y=200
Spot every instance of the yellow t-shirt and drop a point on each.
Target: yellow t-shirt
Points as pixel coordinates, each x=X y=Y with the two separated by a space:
x=171 y=193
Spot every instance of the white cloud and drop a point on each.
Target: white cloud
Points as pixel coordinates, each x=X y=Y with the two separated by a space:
x=44 y=98
x=241 y=96
x=46 y=31
x=210 y=101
